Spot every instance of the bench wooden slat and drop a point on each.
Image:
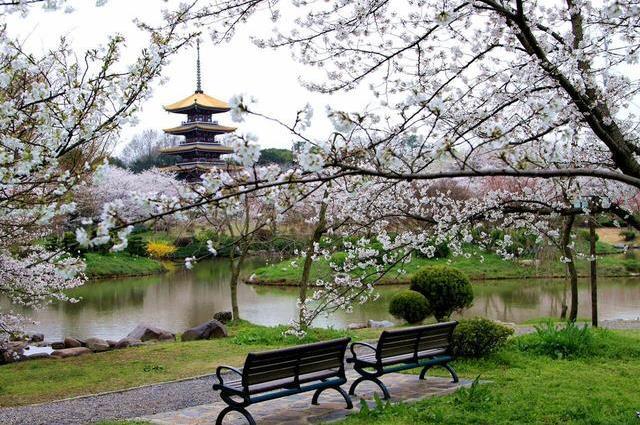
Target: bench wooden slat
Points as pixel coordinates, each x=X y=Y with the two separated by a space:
x=292 y=362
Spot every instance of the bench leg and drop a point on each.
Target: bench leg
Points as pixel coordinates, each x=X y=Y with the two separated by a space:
x=453 y=373
x=238 y=409
x=385 y=392
x=346 y=397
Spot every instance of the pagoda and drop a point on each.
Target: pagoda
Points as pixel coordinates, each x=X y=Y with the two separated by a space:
x=200 y=150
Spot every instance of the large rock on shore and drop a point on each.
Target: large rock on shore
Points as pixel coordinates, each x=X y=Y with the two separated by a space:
x=148 y=332
x=128 y=342
x=223 y=316
x=379 y=324
x=97 y=344
x=72 y=342
x=208 y=330
x=70 y=352
x=37 y=337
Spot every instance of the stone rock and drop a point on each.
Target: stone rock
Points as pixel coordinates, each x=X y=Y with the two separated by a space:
x=37 y=337
x=70 y=352
x=36 y=356
x=72 y=343
x=356 y=326
x=58 y=345
x=112 y=343
x=223 y=316
x=208 y=330
x=97 y=344
x=147 y=332
x=380 y=324
x=128 y=342
x=166 y=336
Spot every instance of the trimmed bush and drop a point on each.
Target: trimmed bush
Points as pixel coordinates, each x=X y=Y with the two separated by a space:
x=137 y=245
x=585 y=235
x=568 y=341
x=409 y=305
x=628 y=235
x=447 y=290
x=479 y=337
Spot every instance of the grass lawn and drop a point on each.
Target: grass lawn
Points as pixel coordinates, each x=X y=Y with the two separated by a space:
x=534 y=389
x=120 y=264
x=288 y=272
x=51 y=379
x=524 y=388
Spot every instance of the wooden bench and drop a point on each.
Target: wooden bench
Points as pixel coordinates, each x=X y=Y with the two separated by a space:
x=280 y=373
x=423 y=346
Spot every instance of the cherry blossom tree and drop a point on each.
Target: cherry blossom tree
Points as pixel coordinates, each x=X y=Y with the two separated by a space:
x=58 y=111
x=466 y=91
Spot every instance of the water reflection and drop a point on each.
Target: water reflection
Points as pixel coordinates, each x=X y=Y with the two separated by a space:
x=180 y=299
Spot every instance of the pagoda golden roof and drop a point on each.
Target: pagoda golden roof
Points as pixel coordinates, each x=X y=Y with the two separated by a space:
x=198 y=100
x=206 y=126
x=208 y=147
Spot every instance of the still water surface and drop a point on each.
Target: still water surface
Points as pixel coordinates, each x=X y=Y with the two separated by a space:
x=181 y=299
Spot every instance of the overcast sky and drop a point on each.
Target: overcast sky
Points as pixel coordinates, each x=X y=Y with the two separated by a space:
x=237 y=67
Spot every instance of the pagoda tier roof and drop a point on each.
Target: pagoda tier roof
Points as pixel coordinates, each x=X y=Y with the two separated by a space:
x=198 y=100
x=201 y=166
x=205 y=147
x=204 y=126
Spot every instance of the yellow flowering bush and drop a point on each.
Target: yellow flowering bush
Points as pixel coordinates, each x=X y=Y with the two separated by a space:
x=160 y=249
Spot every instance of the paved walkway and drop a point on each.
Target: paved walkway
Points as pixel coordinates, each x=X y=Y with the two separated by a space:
x=298 y=410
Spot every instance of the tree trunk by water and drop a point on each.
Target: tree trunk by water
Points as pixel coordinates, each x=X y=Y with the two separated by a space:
x=571 y=266
x=308 y=261
x=241 y=248
x=233 y=284
x=594 y=270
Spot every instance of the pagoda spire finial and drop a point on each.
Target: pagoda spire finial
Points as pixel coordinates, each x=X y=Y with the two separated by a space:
x=198 y=79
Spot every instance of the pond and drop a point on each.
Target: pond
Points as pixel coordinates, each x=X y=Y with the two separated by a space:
x=180 y=299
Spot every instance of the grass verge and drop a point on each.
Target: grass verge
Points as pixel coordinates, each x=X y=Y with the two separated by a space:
x=52 y=379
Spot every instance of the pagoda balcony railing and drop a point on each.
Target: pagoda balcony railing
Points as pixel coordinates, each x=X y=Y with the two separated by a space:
x=209 y=121
x=212 y=162
x=199 y=142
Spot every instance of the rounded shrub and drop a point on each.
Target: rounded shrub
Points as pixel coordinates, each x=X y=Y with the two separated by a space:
x=479 y=337
x=628 y=235
x=447 y=290
x=409 y=305
x=137 y=245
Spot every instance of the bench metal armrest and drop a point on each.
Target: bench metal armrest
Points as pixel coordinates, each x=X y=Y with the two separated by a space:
x=230 y=368
x=353 y=351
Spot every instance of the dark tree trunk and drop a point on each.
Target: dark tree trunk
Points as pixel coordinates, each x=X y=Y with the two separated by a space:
x=571 y=266
x=594 y=272
x=308 y=261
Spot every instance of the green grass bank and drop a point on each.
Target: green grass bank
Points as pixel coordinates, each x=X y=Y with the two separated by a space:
x=489 y=266
x=120 y=264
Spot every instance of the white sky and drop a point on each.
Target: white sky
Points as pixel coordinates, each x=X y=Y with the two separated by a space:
x=237 y=67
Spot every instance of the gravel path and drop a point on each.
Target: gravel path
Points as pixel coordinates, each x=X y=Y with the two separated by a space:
x=153 y=399
x=118 y=405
